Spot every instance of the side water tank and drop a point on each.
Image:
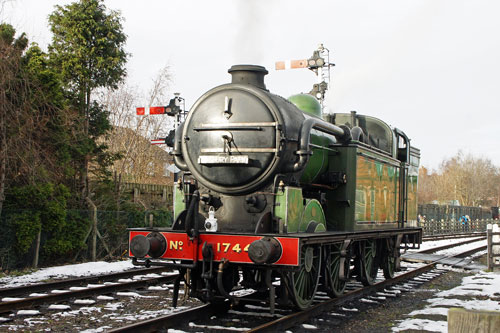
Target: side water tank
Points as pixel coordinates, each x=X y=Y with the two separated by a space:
x=318 y=162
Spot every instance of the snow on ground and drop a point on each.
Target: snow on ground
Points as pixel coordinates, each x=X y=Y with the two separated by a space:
x=432 y=244
x=67 y=271
x=480 y=285
x=454 y=250
x=462 y=248
x=478 y=290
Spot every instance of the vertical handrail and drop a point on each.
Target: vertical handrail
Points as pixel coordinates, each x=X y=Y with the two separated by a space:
x=489 y=237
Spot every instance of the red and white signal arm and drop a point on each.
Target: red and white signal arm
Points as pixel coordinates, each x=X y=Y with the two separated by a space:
x=290 y=64
x=158 y=141
x=142 y=111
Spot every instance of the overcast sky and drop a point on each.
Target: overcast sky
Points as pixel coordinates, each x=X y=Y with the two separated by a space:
x=428 y=67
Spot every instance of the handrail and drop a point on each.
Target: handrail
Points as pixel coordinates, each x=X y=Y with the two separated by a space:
x=177 y=152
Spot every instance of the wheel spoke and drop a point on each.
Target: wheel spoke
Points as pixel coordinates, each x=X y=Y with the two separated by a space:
x=336 y=286
x=369 y=262
x=304 y=283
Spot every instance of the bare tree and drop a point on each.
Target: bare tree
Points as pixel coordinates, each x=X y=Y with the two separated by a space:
x=141 y=162
x=470 y=180
x=12 y=91
x=31 y=120
x=426 y=186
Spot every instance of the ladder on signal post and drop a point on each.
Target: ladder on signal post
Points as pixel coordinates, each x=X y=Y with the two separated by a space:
x=320 y=64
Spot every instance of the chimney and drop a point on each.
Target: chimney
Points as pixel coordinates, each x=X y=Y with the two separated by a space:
x=248 y=74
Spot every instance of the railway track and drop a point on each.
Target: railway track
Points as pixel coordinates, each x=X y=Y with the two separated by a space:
x=453 y=236
x=29 y=296
x=284 y=318
x=251 y=313
x=449 y=246
x=40 y=287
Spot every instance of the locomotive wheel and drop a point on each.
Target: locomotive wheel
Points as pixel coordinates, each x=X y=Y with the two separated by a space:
x=336 y=286
x=304 y=282
x=369 y=262
x=389 y=259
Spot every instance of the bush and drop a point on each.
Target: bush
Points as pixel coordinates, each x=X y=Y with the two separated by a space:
x=30 y=209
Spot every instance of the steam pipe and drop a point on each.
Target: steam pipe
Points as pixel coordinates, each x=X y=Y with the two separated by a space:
x=191 y=223
x=342 y=133
x=177 y=152
x=220 y=283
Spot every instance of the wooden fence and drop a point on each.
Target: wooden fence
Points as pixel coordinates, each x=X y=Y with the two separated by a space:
x=453 y=227
x=492 y=255
x=149 y=193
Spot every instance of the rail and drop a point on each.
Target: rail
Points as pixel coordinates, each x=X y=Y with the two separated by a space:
x=493 y=248
x=29 y=302
x=278 y=323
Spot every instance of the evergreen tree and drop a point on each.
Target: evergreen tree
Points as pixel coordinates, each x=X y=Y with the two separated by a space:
x=88 y=48
x=35 y=142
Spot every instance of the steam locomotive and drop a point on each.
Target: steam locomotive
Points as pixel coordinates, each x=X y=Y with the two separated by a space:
x=277 y=197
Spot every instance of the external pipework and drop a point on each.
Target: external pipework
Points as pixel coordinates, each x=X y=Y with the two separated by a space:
x=220 y=282
x=177 y=152
x=192 y=216
x=357 y=134
x=353 y=119
x=342 y=133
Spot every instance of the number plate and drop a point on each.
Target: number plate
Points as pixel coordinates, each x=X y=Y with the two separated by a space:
x=227 y=159
x=230 y=247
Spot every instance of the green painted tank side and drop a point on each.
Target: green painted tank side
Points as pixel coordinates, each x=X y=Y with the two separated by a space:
x=307 y=103
x=289 y=207
x=179 y=204
x=318 y=162
x=296 y=216
x=369 y=199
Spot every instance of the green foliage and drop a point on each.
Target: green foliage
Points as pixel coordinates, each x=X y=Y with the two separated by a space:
x=98 y=120
x=50 y=103
x=43 y=207
x=34 y=110
x=70 y=237
x=41 y=72
x=88 y=44
x=138 y=217
x=26 y=224
x=7 y=33
x=162 y=217
x=54 y=133
x=88 y=50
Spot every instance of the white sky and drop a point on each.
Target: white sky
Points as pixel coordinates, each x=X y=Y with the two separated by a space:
x=428 y=67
